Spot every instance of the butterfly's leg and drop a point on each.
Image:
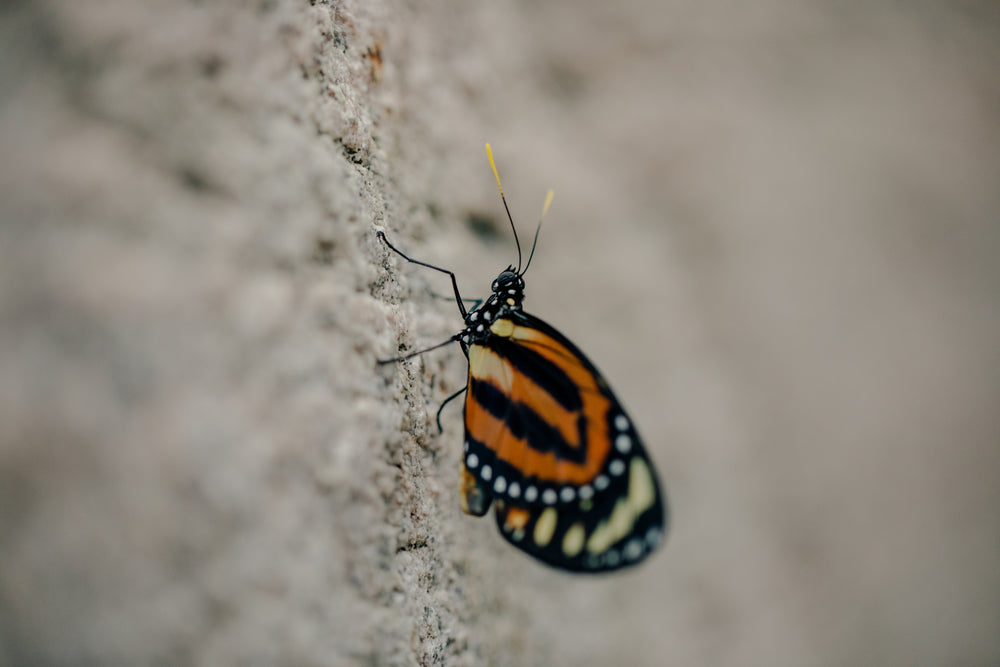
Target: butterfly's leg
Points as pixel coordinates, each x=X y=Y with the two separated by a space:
x=444 y=403
x=475 y=302
x=454 y=282
x=393 y=360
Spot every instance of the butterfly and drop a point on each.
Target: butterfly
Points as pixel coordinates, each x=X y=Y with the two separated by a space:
x=547 y=442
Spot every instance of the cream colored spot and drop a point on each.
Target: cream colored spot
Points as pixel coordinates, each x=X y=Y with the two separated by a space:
x=546 y=526
x=487 y=365
x=641 y=492
x=622 y=519
x=573 y=541
x=641 y=496
x=503 y=328
x=510 y=302
x=611 y=529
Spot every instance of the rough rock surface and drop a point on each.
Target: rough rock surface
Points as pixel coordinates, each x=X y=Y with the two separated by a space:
x=775 y=230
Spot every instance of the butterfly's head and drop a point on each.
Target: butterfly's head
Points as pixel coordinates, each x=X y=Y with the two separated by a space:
x=509 y=286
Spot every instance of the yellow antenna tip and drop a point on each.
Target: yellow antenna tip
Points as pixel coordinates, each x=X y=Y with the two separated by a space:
x=493 y=166
x=548 y=202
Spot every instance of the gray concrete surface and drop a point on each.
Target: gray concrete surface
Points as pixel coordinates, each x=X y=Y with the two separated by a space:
x=775 y=230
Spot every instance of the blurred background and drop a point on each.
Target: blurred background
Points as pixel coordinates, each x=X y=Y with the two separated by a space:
x=775 y=230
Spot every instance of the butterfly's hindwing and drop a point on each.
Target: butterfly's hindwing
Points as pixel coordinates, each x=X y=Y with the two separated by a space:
x=620 y=527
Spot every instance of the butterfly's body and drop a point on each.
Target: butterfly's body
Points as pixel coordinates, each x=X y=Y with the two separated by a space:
x=547 y=443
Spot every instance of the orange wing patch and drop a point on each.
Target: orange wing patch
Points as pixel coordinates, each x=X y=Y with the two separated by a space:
x=523 y=390
x=587 y=425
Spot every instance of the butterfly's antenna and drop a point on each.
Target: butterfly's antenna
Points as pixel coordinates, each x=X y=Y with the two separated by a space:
x=489 y=153
x=545 y=209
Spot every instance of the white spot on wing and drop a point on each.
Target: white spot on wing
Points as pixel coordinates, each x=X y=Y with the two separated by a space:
x=621 y=422
x=653 y=536
x=486 y=472
x=633 y=549
x=472 y=461
x=623 y=443
x=617 y=467
x=549 y=496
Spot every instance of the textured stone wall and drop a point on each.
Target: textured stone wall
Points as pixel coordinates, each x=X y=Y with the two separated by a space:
x=775 y=230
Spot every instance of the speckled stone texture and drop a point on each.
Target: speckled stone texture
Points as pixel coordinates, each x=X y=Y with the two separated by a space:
x=775 y=231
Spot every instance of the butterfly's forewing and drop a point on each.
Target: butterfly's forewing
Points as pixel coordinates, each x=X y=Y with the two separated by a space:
x=547 y=440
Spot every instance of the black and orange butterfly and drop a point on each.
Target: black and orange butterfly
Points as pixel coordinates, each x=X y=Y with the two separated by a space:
x=546 y=440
